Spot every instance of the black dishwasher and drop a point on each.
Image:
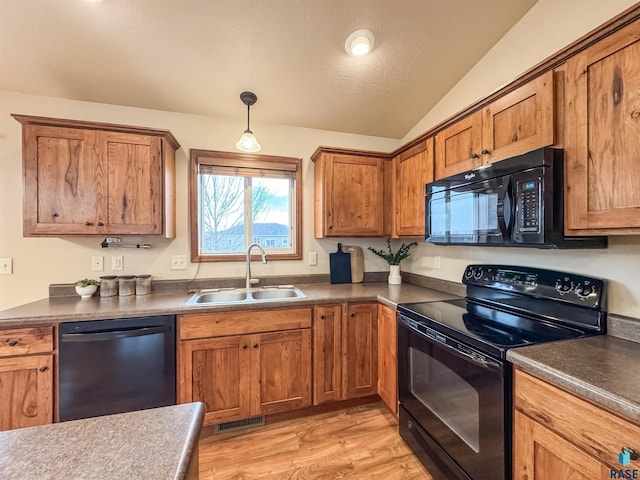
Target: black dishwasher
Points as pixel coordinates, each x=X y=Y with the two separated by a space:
x=117 y=365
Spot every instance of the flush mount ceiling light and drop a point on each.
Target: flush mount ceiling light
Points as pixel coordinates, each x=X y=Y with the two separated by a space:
x=248 y=141
x=360 y=43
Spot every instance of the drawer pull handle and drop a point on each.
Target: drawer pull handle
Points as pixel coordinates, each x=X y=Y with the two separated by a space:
x=633 y=453
x=12 y=343
x=44 y=368
x=244 y=347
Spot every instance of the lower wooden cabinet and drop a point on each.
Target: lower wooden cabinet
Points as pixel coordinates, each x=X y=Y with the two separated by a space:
x=558 y=435
x=250 y=373
x=345 y=351
x=26 y=377
x=388 y=357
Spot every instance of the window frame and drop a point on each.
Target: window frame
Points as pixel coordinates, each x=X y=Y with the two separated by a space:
x=243 y=160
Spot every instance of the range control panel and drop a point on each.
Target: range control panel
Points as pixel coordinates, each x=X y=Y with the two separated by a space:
x=568 y=287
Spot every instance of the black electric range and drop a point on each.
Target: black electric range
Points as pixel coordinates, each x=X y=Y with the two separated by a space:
x=454 y=383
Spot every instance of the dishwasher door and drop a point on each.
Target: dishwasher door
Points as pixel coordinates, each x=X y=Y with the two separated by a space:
x=115 y=366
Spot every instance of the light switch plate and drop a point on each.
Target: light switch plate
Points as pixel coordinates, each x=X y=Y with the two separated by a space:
x=313 y=258
x=117 y=262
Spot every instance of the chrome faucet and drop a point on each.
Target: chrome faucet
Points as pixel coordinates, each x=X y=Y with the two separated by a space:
x=264 y=260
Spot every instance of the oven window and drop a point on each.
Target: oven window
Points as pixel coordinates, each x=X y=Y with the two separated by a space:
x=447 y=395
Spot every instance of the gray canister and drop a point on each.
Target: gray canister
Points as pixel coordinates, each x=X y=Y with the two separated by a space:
x=108 y=286
x=126 y=285
x=143 y=284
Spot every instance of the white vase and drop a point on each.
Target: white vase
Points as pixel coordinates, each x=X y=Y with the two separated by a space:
x=86 y=292
x=394 y=275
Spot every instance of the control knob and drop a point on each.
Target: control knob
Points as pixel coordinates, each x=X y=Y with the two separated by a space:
x=478 y=274
x=470 y=272
x=585 y=289
x=564 y=285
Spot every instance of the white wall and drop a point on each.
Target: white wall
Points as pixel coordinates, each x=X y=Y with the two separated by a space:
x=548 y=27
x=39 y=262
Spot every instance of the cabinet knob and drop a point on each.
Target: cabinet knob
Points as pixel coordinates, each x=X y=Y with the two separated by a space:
x=330 y=227
x=44 y=368
x=353 y=314
x=485 y=152
x=55 y=214
x=633 y=453
x=12 y=343
x=255 y=345
x=88 y=224
x=322 y=317
x=101 y=224
x=245 y=347
x=475 y=155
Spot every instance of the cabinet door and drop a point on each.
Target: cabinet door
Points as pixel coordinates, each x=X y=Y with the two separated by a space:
x=135 y=198
x=602 y=150
x=64 y=181
x=327 y=354
x=388 y=358
x=361 y=349
x=216 y=372
x=540 y=453
x=458 y=147
x=354 y=188
x=26 y=385
x=519 y=122
x=412 y=170
x=281 y=371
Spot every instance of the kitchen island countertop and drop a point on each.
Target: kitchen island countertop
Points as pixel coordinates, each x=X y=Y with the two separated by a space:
x=152 y=444
x=54 y=310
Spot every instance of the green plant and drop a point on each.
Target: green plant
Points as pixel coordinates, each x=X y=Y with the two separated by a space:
x=395 y=258
x=86 y=282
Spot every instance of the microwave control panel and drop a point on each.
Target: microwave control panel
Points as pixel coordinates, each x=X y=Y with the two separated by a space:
x=528 y=206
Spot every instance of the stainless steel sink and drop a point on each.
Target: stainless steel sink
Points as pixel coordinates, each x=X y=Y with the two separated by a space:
x=233 y=296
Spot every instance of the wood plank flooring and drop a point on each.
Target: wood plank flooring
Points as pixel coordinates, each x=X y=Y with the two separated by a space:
x=356 y=443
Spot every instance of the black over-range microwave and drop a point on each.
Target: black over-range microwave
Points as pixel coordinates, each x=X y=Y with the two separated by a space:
x=516 y=202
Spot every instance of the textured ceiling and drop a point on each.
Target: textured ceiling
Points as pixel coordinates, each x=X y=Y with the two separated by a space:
x=196 y=56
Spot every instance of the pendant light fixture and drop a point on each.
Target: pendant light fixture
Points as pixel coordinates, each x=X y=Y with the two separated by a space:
x=248 y=141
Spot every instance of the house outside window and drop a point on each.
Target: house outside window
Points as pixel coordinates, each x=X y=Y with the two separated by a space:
x=237 y=199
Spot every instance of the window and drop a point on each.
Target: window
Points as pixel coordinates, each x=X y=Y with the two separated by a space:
x=237 y=199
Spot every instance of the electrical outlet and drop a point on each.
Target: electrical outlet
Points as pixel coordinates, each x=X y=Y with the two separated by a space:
x=117 y=262
x=313 y=259
x=97 y=263
x=6 y=266
x=178 y=262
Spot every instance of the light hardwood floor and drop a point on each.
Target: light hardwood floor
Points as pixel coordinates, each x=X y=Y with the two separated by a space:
x=356 y=443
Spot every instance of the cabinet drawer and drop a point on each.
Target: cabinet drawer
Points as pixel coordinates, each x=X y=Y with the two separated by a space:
x=204 y=325
x=24 y=341
x=595 y=431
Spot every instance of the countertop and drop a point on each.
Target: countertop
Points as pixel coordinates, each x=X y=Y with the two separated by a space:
x=54 y=310
x=149 y=444
x=603 y=369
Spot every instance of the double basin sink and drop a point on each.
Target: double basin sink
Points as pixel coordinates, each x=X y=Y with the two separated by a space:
x=230 y=296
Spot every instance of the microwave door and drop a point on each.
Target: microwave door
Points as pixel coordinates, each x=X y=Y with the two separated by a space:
x=478 y=213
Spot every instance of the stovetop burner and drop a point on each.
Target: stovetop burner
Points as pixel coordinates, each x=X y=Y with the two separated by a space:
x=508 y=307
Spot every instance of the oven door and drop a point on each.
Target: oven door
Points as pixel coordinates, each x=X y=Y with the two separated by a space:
x=459 y=397
x=476 y=214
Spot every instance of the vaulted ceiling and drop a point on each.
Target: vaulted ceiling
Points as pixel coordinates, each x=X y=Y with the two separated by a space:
x=196 y=56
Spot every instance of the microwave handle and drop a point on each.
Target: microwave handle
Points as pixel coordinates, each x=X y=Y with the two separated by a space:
x=505 y=212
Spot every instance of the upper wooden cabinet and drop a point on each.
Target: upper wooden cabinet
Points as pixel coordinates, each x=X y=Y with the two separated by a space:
x=516 y=123
x=350 y=193
x=412 y=169
x=83 y=178
x=602 y=144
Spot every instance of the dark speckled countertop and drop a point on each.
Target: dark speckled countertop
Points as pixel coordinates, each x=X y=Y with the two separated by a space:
x=54 y=310
x=603 y=369
x=153 y=444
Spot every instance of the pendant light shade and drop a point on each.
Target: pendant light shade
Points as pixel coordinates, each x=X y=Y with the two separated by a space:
x=248 y=141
